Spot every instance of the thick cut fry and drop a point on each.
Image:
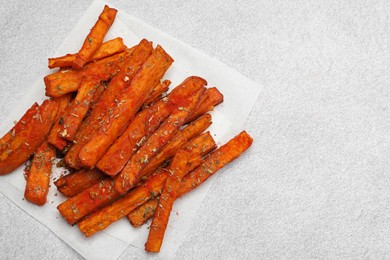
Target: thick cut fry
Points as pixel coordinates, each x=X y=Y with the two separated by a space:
x=180 y=139
x=114 y=124
x=132 y=172
x=211 y=99
x=157 y=92
x=88 y=93
x=54 y=137
x=215 y=161
x=144 y=212
x=65 y=81
x=179 y=167
x=143 y=125
x=72 y=184
x=95 y=37
x=107 y=102
x=88 y=201
x=38 y=179
x=101 y=219
x=21 y=124
x=107 y=48
x=30 y=138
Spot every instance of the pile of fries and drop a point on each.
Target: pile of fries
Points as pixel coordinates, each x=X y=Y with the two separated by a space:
x=133 y=148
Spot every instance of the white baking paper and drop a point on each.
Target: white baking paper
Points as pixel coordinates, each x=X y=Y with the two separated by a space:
x=240 y=94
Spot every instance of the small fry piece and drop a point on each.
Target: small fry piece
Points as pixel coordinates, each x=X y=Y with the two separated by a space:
x=21 y=124
x=107 y=102
x=144 y=212
x=24 y=144
x=38 y=179
x=143 y=125
x=180 y=139
x=72 y=184
x=88 y=201
x=158 y=92
x=215 y=161
x=107 y=48
x=135 y=95
x=87 y=94
x=211 y=99
x=95 y=37
x=54 y=137
x=179 y=167
x=132 y=172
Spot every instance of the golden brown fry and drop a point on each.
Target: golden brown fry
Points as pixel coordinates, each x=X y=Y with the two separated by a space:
x=54 y=137
x=24 y=144
x=211 y=99
x=179 y=167
x=115 y=123
x=95 y=37
x=72 y=184
x=21 y=124
x=144 y=212
x=88 y=200
x=38 y=179
x=132 y=172
x=107 y=48
x=157 y=92
x=88 y=93
x=143 y=125
x=107 y=102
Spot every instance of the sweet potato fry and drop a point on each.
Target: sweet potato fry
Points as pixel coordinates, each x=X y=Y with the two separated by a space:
x=107 y=48
x=54 y=137
x=132 y=172
x=144 y=212
x=157 y=92
x=72 y=184
x=30 y=138
x=38 y=179
x=95 y=37
x=143 y=125
x=211 y=99
x=107 y=102
x=180 y=139
x=179 y=167
x=88 y=200
x=215 y=161
x=88 y=93
x=65 y=81
x=114 y=124
x=21 y=124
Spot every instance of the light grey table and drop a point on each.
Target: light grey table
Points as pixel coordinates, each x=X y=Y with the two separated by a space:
x=316 y=183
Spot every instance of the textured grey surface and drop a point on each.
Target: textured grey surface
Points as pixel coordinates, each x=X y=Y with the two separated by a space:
x=316 y=183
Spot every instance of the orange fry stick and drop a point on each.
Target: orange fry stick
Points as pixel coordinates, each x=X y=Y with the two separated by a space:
x=87 y=94
x=215 y=161
x=107 y=48
x=20 y=125
x=95 y=37
x=38 y=179
x=65 y=81
x=157 y=92
x=132 y=172
x=107 y=102
x=211 y=99
x=24 y=144
x=54 y=137
x=179 y=167
x=143 y=125
x=114 y=124
x=144 y=212
x=180 y=139
x=88 y=200
x=72 y=184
